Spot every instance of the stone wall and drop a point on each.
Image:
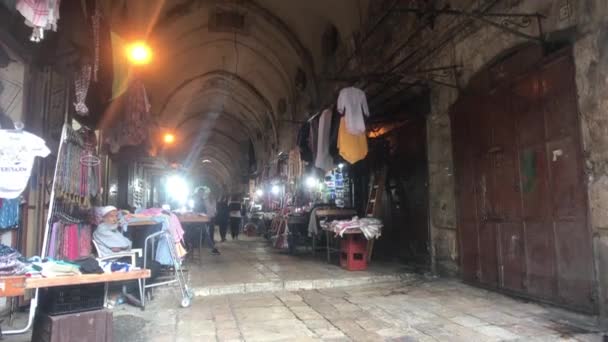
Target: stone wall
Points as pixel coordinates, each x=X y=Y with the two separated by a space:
x=591 y=57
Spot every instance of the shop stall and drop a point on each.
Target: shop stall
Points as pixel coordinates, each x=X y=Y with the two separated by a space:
x=318 y=186
x=65 y=261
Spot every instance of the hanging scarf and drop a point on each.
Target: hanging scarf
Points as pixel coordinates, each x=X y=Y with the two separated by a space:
x=81 y=88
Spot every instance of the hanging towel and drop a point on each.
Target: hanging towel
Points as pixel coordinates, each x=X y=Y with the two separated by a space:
x=353 y=148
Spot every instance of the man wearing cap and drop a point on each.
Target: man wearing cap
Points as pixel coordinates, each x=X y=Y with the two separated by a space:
x=107 y=236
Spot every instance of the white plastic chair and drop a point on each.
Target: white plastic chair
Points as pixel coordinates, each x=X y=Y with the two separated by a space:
x=133 y=254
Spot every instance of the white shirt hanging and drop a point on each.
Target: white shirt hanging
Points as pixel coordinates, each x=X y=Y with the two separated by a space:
x=17 y=153
x=352 y=103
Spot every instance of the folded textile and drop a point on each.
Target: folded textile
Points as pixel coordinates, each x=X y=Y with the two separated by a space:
x=56 y=268
x=89 y=265
x=371 y=228
x=116 y=266
x=11 y=262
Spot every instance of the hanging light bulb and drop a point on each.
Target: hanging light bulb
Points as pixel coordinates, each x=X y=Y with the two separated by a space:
x=275 y=190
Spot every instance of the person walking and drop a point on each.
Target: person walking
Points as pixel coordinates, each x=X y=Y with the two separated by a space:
x=234 y=208
x=222 y=217
x=203 y=204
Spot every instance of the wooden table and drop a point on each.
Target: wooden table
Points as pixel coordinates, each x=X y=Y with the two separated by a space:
x=143 y=223
x=16 y=285
x=193 y=218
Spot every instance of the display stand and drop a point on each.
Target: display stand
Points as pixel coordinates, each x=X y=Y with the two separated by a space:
x=16 y=285
x=331 y=214
x=178 y=271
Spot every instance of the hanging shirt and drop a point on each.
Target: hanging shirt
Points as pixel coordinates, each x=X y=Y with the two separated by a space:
x=323 y=160
x=303 y=136
x=352 y=103
x=352 y=147
x=17 y=153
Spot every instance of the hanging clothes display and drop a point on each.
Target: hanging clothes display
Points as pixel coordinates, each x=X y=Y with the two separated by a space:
x=69 y=241
x=333 y=136
x=353 y=148
x=303 y=137
x=18 y=149
x=352 y=103
x=323 y=159
x=78 y=176
x=313 y=138
x=9 y=213
x=40 y=14
x=132 y=129
x=295 y=166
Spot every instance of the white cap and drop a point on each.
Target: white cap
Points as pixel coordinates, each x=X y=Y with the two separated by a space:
x=103 y=211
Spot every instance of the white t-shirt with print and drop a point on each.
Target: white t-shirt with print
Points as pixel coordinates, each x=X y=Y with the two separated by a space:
x=17 y=153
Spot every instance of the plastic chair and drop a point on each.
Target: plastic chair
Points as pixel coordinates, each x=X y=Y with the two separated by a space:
x=133 y=254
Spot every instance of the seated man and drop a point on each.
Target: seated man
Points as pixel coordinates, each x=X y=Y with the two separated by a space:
x=107 y=236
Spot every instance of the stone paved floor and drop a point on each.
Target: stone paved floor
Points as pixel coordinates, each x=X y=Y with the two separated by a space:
x=251 y=265
x=418 y=309
x=316 y=301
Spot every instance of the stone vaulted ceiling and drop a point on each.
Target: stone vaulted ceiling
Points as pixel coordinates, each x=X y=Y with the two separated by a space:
x=224 y=71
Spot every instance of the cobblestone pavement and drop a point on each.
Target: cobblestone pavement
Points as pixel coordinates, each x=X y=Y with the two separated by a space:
x=414 y=310
x=252 y=265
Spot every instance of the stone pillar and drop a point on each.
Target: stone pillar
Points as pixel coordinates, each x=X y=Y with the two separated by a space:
x=442 y=203
x=591 y=59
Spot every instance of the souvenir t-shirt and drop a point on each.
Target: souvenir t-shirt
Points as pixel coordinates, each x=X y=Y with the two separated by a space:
x=17 y=153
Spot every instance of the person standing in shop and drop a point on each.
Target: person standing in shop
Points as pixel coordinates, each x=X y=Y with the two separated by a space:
x=222 y=217
x=203 y=204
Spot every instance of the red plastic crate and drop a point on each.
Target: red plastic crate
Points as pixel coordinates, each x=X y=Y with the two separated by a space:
x=353 y=254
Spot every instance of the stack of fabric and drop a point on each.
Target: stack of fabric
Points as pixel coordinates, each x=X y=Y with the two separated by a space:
x=10 y=261
x=371 y=228
x=50 y=267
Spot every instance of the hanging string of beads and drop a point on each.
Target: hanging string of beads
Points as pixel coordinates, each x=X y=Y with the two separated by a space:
x=96 y=23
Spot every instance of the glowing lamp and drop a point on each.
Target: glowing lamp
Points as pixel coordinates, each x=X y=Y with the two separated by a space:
x=311 y=182
x=169 y=138
x=139 y=53
x=275 y=190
